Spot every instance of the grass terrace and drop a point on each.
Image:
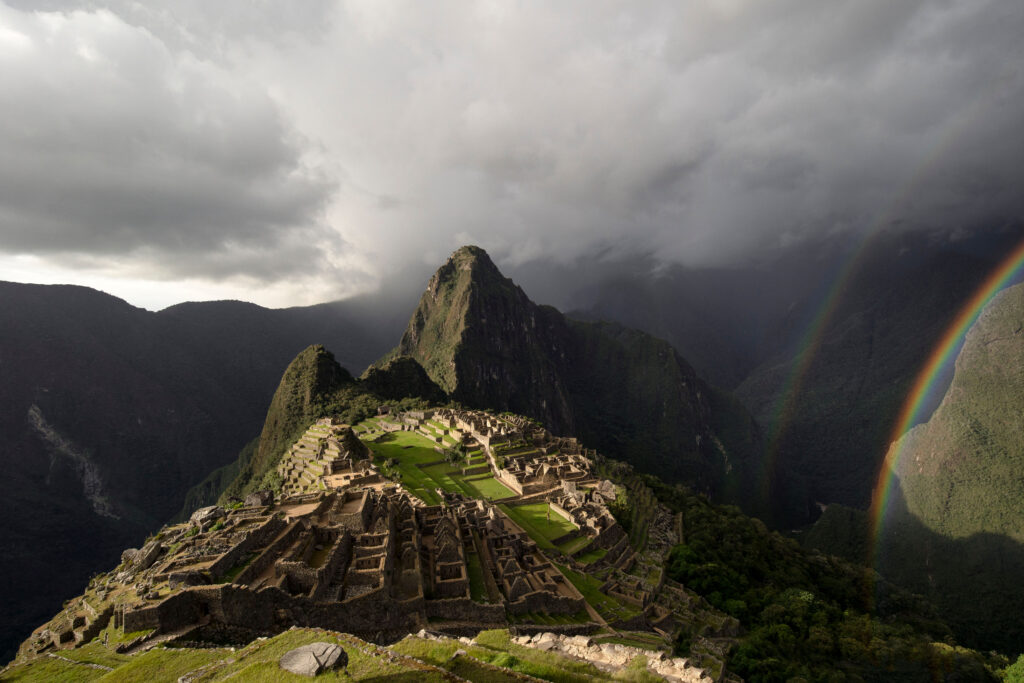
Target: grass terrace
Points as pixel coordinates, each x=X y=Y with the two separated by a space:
x=422 y=469
x=540 y=522
x=591 y=556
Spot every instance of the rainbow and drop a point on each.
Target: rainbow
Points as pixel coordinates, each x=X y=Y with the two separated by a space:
x=927 y=379
x=810 y=343
x=785 y=406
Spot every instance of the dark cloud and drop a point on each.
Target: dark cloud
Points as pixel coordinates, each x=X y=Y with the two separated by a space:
x=347 y=141
x=113 y=147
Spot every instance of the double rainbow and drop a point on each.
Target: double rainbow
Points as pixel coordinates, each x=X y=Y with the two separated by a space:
x=927 y=379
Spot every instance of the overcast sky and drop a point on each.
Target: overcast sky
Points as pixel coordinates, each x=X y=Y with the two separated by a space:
x=294 y=152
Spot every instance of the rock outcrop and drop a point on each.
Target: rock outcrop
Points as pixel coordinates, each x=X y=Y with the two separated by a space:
x=315 y=658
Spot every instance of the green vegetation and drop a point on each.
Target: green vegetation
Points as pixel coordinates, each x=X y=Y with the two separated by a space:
x=422 y=469
x=1015 y=672
x=257 y=662
x=591 y=556
x=408 y=450
x=52 y=671
x=477 y=585
x=486 y=486
x=958 y=506
x=496 y=649
x=540 y=522
x=313 y=386
x=233 y=573
x=167 y=663
x=805 y=615
x=633 y=508
x=574 y=544
x=400 y=378
x=305 y=393
x=610 y=608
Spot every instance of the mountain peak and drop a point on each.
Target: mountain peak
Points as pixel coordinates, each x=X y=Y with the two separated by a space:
x=473 y=326
x=469 y=252
x=468 y=261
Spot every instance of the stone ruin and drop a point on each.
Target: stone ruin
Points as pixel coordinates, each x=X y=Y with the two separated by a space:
x=366 y=562
x=346 y=550
x=328 y=455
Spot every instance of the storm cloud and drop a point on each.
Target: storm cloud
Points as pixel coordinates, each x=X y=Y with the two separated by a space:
x=332 y=145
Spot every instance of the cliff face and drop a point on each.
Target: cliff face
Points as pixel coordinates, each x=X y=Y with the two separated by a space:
x=480 y=338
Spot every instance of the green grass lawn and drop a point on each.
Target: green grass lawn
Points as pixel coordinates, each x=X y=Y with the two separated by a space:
x=534 y=519
x=164 y=664
x=410 y=450
x=494 y=647
x=448 y=479
x=415 y=453
x=48 y=670
x=591 y=556
x=260 y=663
x=489 y=487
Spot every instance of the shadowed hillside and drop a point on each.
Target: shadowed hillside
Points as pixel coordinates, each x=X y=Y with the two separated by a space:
x=109 y=413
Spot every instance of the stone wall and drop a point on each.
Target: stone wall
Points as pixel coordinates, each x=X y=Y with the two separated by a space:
x=98 y=623
x=509 y=480
x=451 y=588
x=339 y=556
x=549 y=603
x=268 y=556
x=176 y=611
x=563 y=512
x=301 y=577
x=464 y=609
x=357 y=520
x=254 y=539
